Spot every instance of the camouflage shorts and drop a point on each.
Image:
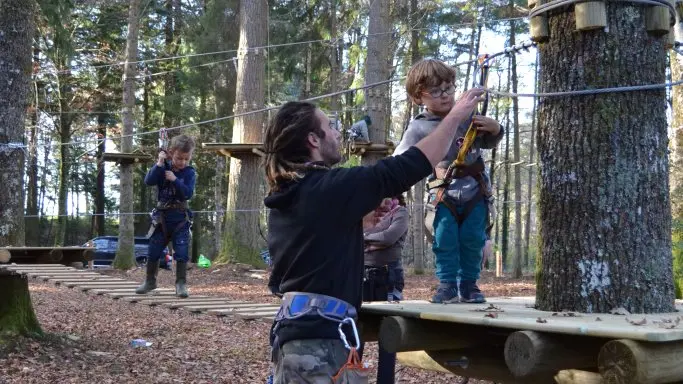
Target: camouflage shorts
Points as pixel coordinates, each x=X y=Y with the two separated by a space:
x=313 y=361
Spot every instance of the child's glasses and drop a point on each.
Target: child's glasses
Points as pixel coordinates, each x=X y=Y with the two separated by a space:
x=437 y=92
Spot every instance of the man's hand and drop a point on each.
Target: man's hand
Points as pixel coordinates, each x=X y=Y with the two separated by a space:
x=161 y=158
x=486 y=124
x=170 y=176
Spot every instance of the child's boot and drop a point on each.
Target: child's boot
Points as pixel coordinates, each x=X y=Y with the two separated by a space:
x=150 y=283
x=470 y=293
x=446 y=293
x=181 y=279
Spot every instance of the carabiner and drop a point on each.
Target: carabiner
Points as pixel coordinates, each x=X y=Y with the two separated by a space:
x=342 y=335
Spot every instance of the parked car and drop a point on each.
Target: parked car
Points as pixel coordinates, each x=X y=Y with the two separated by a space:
x=105 y=251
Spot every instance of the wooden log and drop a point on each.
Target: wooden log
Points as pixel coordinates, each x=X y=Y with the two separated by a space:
x=538 y=26
x=368 y=327
x=89 y=254
x=54 y=256
x=484 y=363
x=401 y=334
x=5 y=256
x=590 y=15
x=529 y=352
x=657 y=20
x=628 y=361
x=574 y=376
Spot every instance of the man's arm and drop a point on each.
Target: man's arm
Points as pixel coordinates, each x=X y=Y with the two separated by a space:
x=435 y=146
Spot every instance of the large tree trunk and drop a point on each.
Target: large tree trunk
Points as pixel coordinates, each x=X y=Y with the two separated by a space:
x=33 y=222
x=125 y=254
x=676 y=175
x=604 y=189
x=242 y=241
x=378 y=68
x=17 y=30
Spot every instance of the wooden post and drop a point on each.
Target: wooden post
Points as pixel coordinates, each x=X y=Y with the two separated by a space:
x=670 y=39
x=401 y=334
x=590 y=15
x=483 y=363
x=628 y=361
x=573 y=376
x=538 y=27
x=658 y=20
x=529 y=352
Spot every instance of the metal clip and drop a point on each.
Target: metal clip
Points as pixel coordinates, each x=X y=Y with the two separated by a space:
x=355 y=333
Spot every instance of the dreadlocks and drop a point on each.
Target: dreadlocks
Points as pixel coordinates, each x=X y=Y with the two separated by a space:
x=287 y=154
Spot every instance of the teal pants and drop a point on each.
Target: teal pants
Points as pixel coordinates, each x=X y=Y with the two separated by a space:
x=458 y=248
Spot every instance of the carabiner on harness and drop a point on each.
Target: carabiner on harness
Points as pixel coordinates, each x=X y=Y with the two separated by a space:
x=342 y=335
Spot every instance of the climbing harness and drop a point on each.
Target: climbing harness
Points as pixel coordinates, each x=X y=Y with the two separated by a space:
x=297 y=305
x=158 y=214
x=457 y=169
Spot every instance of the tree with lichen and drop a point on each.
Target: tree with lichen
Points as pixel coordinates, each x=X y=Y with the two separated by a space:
x=605 y=213
x=16 y=33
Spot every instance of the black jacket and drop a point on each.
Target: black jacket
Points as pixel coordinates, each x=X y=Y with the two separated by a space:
x=315 y=232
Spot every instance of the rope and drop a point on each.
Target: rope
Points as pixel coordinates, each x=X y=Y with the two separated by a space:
x=630 y=88
x=554 y=4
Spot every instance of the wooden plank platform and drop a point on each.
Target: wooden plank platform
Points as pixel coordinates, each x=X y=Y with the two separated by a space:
x=96 y=283
x=126 y=158
x=42 y=255
x=517 y=313
x=235 y=149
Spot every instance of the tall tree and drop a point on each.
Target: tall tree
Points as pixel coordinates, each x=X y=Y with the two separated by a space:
x=125 y=254
x=378 y=68
x=244 y=194
x=33 y=222
x=17 y=31
x=517 y=261
x=676 y=175
x=604 y=204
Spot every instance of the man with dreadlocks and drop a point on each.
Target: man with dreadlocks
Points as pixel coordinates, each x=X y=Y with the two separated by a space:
x=315 y=233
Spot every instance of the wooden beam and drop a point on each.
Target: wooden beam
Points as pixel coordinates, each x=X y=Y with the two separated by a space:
x=628 y=361
x=362 y=148
x=574 y=376
x=530 y=352
x=590 y=15
x=235 y=149
x=484 y=363
x=126 y=158
x=402 y=334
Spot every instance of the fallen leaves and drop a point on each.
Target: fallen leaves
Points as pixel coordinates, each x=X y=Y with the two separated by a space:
x=490 y=308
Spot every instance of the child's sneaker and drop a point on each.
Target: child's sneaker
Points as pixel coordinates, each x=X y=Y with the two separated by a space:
x=446 y=293
x=470 y=293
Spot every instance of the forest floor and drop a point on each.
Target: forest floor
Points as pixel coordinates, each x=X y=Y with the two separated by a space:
x=88 y=337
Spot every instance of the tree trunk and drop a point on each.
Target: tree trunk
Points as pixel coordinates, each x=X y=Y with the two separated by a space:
x=244 y=194
x=604 y=191
x=378 y=68
x=417 y=234
x=504 y=205
x=517 y=269
x=125 y=254
x=33 y=222
x=335 y=64
x=532 y=171
x=101 y=136
x=64 y=161
x=17 y=30
x=676 y=175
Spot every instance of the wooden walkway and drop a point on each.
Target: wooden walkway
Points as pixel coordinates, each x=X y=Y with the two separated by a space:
x=116 y=288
